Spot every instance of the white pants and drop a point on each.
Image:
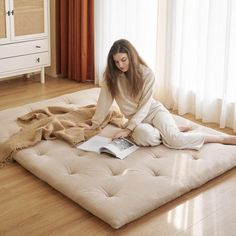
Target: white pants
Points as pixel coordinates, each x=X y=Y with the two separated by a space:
x=161 y=127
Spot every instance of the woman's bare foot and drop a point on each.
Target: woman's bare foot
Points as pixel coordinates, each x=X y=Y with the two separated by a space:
x=184 y=128
x=229 y=139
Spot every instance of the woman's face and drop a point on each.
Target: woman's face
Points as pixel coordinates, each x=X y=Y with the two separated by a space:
x=121 y=61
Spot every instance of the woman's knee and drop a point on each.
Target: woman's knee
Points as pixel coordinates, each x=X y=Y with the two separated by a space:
x=146 y=135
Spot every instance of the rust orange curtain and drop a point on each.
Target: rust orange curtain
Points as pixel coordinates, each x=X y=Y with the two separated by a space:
x=75 y=39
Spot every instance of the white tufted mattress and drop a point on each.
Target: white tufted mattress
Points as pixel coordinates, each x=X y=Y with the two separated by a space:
x=117 y=191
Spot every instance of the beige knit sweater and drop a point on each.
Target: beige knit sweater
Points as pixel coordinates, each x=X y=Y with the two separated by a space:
x=135 y=110
x=55 y=122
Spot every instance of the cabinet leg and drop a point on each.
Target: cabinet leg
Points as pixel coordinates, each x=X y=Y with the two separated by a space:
x=27 y=76
x=42 y=75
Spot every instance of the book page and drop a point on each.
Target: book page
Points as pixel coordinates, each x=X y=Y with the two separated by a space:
x=120 y=147
x=94 y=144
x=122 y=144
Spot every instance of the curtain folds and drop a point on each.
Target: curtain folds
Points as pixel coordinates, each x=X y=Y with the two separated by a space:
x=201 y=60
x=75 y=39
x=133 y=20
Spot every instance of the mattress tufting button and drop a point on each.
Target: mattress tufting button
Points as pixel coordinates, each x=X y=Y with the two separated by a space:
x=73 y=172
x=109 y=194
x=155 y=173
x=194 y=155
x=115 y=174
x=70 y=171
x=40 y=154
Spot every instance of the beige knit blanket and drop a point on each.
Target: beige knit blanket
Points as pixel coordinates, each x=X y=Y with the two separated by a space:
x=51 y=123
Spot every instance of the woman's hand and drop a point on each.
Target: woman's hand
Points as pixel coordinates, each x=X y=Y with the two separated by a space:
x=122 y=134
x=185 y=128
x=84 y=125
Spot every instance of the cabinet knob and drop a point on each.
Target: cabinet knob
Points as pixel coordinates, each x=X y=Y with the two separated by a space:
x=10 y=12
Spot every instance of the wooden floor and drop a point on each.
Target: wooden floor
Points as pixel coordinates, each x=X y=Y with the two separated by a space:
x=29 y=206
x=16 y=92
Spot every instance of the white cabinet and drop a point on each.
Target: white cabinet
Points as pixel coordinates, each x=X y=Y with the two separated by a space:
x=24 y=37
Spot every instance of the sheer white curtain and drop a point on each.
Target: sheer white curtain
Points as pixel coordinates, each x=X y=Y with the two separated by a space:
x=201 y=60
x=134 y=20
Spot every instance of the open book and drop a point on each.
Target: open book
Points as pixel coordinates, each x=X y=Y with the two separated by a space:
x=120 y=148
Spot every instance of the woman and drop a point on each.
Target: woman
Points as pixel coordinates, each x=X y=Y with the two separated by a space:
x=129 y=81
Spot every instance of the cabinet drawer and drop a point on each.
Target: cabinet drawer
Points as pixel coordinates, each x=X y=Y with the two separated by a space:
x=23 y=62
x=23 y=48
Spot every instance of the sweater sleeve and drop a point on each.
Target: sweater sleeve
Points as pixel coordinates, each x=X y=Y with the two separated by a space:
x=145 y=101
x=104 y=103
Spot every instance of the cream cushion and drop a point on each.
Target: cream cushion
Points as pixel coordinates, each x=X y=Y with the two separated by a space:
x=117 y=191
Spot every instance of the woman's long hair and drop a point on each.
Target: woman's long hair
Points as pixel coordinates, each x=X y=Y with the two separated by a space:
x=134 y=73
